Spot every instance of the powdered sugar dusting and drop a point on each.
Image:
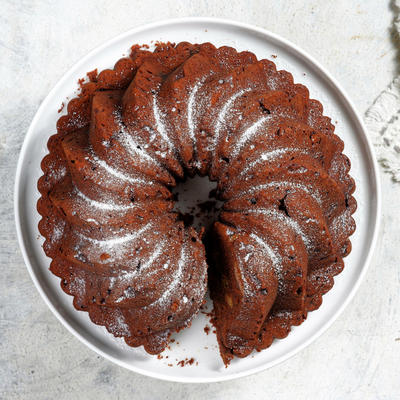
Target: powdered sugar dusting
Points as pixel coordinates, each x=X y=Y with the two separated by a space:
x=127 y=275
x=340 y=224
x=177 y=277
x=129 y=143
x=248 y=133
x=58 y=231
x=92 y=220
x=57 y=172
x=275 y=258
x=110 y=243
x=313 y=193
x=267 y=156
x=119 y=326
x=160 y=125
x=190 y=112
x=220 y=120
x=120 y=175
x=111 y=206
x=285 y=220
x=78 y=286
x=247 y=257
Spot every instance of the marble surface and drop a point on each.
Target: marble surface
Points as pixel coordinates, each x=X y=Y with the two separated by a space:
x=358 y=357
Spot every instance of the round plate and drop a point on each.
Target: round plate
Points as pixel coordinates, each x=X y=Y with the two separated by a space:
x=197 y=342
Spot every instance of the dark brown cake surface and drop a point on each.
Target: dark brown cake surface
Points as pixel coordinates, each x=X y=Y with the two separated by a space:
x=107 y=208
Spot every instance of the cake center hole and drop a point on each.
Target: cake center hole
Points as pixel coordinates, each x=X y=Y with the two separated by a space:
x=196 y=204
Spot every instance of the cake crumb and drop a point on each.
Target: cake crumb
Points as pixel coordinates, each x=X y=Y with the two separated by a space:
x=207 y=329
x=162 y=44
x=62 y=107
x=134 y=49
x=186 y=361
x=92 y=75
x=212 y=194
x=207 y=206
x=186 y=218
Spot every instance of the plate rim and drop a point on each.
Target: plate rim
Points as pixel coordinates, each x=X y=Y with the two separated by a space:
x=226 y=23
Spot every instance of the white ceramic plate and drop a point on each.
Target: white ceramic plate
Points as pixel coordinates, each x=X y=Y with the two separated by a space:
x=195 y=342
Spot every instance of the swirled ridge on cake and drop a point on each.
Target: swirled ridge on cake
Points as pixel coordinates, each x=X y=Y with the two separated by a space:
x=107 y=209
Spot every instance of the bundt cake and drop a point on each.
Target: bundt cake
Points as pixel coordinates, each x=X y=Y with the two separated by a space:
x=158 y=117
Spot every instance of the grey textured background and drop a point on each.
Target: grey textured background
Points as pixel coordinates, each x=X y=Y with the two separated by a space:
x=358 y=357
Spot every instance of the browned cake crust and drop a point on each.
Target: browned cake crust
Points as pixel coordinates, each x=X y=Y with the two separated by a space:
x=157 y=117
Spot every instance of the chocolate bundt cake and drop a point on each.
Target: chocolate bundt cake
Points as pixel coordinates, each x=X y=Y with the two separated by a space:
x=158 y=117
